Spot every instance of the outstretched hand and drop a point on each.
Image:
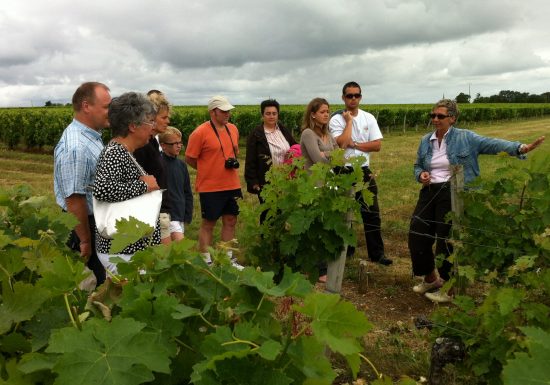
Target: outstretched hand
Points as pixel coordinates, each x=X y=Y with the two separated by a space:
x=530 y=147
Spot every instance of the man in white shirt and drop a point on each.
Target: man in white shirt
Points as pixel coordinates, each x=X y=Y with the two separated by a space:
x=358 y=133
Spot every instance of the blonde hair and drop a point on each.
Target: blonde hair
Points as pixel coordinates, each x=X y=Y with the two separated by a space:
x=308 y=121
x=163 y=137
x=159 y=100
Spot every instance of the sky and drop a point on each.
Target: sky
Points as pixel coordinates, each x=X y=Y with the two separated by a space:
x=399 y=51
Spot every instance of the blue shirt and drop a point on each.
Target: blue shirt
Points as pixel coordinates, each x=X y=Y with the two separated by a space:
x=463 y=147
x=75 y=160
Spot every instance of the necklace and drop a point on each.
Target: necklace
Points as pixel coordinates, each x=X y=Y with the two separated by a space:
x=270 y=130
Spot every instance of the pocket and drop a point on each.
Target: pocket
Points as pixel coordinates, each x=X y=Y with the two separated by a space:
x=463 y=158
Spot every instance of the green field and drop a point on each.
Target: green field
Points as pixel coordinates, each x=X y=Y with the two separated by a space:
x=394 y=346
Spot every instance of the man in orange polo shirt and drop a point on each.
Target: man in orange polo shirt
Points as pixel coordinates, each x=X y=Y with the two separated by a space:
x=212 y=150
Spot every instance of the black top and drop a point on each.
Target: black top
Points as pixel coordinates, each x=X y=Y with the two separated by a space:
x=116 y=180
x=149 y=158
x=179 y=189
x=258 y=156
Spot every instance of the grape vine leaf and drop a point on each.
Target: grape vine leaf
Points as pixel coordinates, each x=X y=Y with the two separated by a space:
x=128 y=231
x=309 y=357
x=12 y=262
x=291 y=284
x=15 y=376
x=509 y=299
x=530 y=368
x=19 y=304
x=103 y=353
x=62 y=275
x=334 y=322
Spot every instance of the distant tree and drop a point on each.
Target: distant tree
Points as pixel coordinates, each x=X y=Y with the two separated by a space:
x=509 y=96
x=463 y=98
x=48 y=103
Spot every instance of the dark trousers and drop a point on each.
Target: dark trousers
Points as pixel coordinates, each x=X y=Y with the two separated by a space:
x=428 y=226
x=371 y=218
x=93 y=262
x=263 y=214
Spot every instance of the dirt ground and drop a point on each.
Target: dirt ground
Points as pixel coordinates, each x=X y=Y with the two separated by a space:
x=394 y=345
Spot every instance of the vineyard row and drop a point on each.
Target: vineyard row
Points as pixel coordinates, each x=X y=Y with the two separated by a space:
x=34 y=128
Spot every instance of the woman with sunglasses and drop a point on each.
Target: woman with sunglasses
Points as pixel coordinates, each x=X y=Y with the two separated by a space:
x=438 y=150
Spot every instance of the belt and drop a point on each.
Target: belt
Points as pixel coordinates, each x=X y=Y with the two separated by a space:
x=441 y=185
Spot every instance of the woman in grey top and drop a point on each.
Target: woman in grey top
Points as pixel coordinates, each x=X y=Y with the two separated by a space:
x=316 y=142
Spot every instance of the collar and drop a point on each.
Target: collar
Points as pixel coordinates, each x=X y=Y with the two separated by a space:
x=86 y=130
x=434 y=137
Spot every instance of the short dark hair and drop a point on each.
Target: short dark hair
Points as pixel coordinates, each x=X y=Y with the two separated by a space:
x=350 y=84
x=86 y=92
x=269 y=103
x=128 y=108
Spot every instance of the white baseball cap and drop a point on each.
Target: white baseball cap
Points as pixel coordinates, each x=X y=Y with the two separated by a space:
x=219 y=102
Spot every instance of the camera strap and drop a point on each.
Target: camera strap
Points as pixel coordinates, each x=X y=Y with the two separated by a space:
x=219 y=140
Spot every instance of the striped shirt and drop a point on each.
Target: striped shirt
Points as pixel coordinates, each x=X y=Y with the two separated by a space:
x=278 y=145
x=75 y=160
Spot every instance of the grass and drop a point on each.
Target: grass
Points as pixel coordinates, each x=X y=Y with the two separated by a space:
x=394 y=345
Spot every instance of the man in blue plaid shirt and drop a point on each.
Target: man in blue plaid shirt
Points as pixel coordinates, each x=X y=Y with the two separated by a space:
x=75 y=159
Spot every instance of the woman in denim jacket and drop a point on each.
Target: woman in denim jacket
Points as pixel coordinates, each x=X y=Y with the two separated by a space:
x=446 y=146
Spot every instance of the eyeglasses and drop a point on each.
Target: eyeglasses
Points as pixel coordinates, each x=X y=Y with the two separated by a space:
x=176 y=143
x=152 y=124
x=352 y=96
x=439 y=116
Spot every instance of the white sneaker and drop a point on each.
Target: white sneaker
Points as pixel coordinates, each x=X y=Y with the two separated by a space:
x=236 y=264
x=439 y=297
x=424 y=286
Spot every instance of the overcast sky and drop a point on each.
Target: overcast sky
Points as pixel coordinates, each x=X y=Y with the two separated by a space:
x=400 y=51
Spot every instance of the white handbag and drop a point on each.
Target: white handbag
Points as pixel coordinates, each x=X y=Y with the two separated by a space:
x=145 y=208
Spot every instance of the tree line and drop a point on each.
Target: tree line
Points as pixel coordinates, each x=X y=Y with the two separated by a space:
x=506 y=96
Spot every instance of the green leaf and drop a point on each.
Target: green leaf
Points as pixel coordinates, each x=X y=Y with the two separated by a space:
x=508 y=299
x=11 y=263
x=335 y=322
x=35 y=362
x=291 y=284
x=63 y=275
x=270 y=350
x=354 y=362
x=19 y=304
x=120 y=352
x=532 y=368
x=15 y=376
x=128 y=231
x=36 y=202
x=309 y=357
x=184 y=311
x=14 y=342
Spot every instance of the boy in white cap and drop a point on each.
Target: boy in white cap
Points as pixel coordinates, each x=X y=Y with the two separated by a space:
x=212 y=150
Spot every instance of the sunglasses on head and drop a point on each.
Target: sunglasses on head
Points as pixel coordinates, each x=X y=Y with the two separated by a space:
x=352 y=96
x=439 y=116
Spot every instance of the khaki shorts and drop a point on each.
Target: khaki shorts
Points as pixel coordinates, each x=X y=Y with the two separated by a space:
x=164 y=219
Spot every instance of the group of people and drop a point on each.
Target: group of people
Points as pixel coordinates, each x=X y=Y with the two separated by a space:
x=143 y=156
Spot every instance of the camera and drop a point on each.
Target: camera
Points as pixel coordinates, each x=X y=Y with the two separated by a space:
x=231 y=163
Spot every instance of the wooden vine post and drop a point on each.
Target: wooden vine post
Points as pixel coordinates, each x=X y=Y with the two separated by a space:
x=457 y=206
